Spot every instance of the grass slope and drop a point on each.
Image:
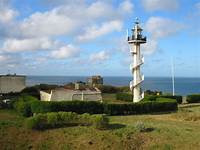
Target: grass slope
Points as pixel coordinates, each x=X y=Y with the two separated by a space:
x=163 y=131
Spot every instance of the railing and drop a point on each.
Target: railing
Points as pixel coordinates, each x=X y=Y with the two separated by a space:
x=139 y=37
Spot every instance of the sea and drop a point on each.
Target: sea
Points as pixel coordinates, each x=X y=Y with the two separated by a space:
x=183 y=85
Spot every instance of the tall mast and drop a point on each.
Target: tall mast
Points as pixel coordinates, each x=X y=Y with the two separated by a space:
x=172 y=70
x=134 y=41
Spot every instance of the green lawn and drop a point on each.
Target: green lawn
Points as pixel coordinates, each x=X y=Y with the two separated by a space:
x=179 y=130
x=111 y=98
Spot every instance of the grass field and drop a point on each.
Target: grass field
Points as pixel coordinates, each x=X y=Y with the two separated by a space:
x=178 y=130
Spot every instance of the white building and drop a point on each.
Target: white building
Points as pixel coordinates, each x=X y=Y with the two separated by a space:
x=63 y=94
x=134 y=41
x=12 y=83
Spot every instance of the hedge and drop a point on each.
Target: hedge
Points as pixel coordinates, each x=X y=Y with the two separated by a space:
x=79 y=107
x=194 y=98
x=160 y=105
x=60 y=119
x=124 y=97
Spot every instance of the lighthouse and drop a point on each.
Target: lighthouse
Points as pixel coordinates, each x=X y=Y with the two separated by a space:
x=134 y=40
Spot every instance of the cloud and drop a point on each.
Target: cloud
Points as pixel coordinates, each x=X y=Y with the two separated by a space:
x=18 y=45
x=73 y=18
x=64 y=52
x=3 y=58
x=126 y=6
x=99 y=57
x=150 y=47
x=6 y=13
x=161 y=27
x=159 y=5
x=95 y=31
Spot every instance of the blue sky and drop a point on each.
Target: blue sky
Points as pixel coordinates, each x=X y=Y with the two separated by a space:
x=88 y=37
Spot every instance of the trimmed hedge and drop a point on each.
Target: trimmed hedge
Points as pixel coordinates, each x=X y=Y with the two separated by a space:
x=60 y=119
x=194 y=98
x=79 y=107
x=160 y=105
x=124 y=97
x=28 y=106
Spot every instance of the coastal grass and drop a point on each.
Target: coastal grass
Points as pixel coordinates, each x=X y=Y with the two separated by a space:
x=157 y=131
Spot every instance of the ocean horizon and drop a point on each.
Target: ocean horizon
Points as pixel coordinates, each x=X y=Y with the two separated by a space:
x=183 y=85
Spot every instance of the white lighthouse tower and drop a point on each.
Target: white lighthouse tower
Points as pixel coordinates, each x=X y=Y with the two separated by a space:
x=134 y=41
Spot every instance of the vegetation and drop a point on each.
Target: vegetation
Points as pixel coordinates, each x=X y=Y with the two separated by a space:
x=127 y=97
x=61 y=119
x=23 y=105
x=195 y=98
x=147 y=132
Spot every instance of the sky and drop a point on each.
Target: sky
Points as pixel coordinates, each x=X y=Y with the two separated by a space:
x=88 y=37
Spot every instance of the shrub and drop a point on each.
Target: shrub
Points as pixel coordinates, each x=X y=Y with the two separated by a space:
x=100 y=121
x=124 y=97
x=194 y=98
x=37 y=122
x=23 y=105
x=108 y=89
x=59 y=119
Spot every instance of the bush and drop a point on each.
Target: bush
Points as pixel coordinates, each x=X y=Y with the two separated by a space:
x=124 y=97
x=59 y=119
x=194 y=98
x=100 y=121
x=23 y=105
x=107 y=89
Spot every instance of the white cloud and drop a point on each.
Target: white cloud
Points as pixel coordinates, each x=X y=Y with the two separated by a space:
x=73 y=18
x=150 y=47
x=126 y=6
x=16 y=45
x=3 y=58
x=161 y=27
x=96 y=31
x=6 y=13
x=99 y=57
x=67 y=51
x=166 y=5
x=47 y=24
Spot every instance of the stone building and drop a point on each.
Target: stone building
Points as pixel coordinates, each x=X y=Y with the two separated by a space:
x=12 y=83
x=95 y=80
